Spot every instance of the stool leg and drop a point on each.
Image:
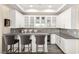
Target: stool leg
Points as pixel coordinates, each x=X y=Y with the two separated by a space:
x=28 y=47
x=24 y=48
x=36 y=48
x=43 y=48
x=13 y=47
x=18 y=47
x=10 y=48
x=31 y=47
x=6 y=49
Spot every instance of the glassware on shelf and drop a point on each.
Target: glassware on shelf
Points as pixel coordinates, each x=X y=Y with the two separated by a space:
x=22 y=31
x=30 y=30
x=25 y=30
x=35 y=31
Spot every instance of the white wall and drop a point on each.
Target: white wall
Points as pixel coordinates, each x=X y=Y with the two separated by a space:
x=75 y=17
x=17 y=19
x=0 y=30
x=4 y=13
x=64 y=19
x=19 y=22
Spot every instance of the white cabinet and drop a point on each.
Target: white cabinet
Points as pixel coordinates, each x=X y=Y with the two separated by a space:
x=29 y=22
x=48 y=21
x=32 y=21
x=26 y=22
x=53 y=38
x=40 y=21
x=53 y=22
x=64 y=19
x=69 y=46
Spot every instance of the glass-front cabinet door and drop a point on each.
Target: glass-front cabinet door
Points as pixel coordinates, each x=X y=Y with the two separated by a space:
x=26 y=22
x=31 y=21
x=42 y=20
x=37 y=21
x=48 y=22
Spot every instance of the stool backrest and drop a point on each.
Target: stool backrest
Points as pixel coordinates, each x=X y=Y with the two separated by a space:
x=40 y=39
x=25 y=39
x=9 y=39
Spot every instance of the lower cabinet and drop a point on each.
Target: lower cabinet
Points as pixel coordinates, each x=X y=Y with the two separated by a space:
x=53 y=38
x=68 y=46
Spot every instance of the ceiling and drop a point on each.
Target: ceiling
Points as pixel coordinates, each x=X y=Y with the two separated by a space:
x=40 y=8
x=54 y=7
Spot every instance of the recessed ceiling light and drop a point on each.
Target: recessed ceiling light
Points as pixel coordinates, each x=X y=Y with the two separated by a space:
x=50 y=6
x=31 y=6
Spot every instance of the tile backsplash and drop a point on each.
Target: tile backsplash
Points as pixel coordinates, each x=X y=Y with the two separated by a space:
x=72 y=32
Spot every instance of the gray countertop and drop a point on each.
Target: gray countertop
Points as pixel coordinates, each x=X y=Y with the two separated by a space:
x=65 y=33
x=26 y=34
x=66 y=36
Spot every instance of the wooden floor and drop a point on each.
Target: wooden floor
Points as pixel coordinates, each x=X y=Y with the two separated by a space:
x=52 y=49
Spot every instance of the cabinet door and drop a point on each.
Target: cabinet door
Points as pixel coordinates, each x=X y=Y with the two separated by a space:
x=53 y=22
x=32 y=21
x=37 y=21
x=26 y=21
x=42 y=20
x=48 y=21
x=53 y=39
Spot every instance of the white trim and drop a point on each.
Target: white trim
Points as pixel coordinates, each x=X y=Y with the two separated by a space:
x=20 y=7
x=55 y=11
x=61 y=7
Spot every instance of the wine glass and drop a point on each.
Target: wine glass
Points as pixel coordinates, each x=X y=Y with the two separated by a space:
x=35 y=31
x=25 y=30
x=30 y=30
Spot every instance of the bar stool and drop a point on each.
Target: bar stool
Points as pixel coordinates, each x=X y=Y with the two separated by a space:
x=11 y=41
x=25 y=40
x=40 y=40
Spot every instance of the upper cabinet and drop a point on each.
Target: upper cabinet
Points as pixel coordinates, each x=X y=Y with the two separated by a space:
x=19 y=20
x=64 y=19
x=39 y=21
x=42 y=20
